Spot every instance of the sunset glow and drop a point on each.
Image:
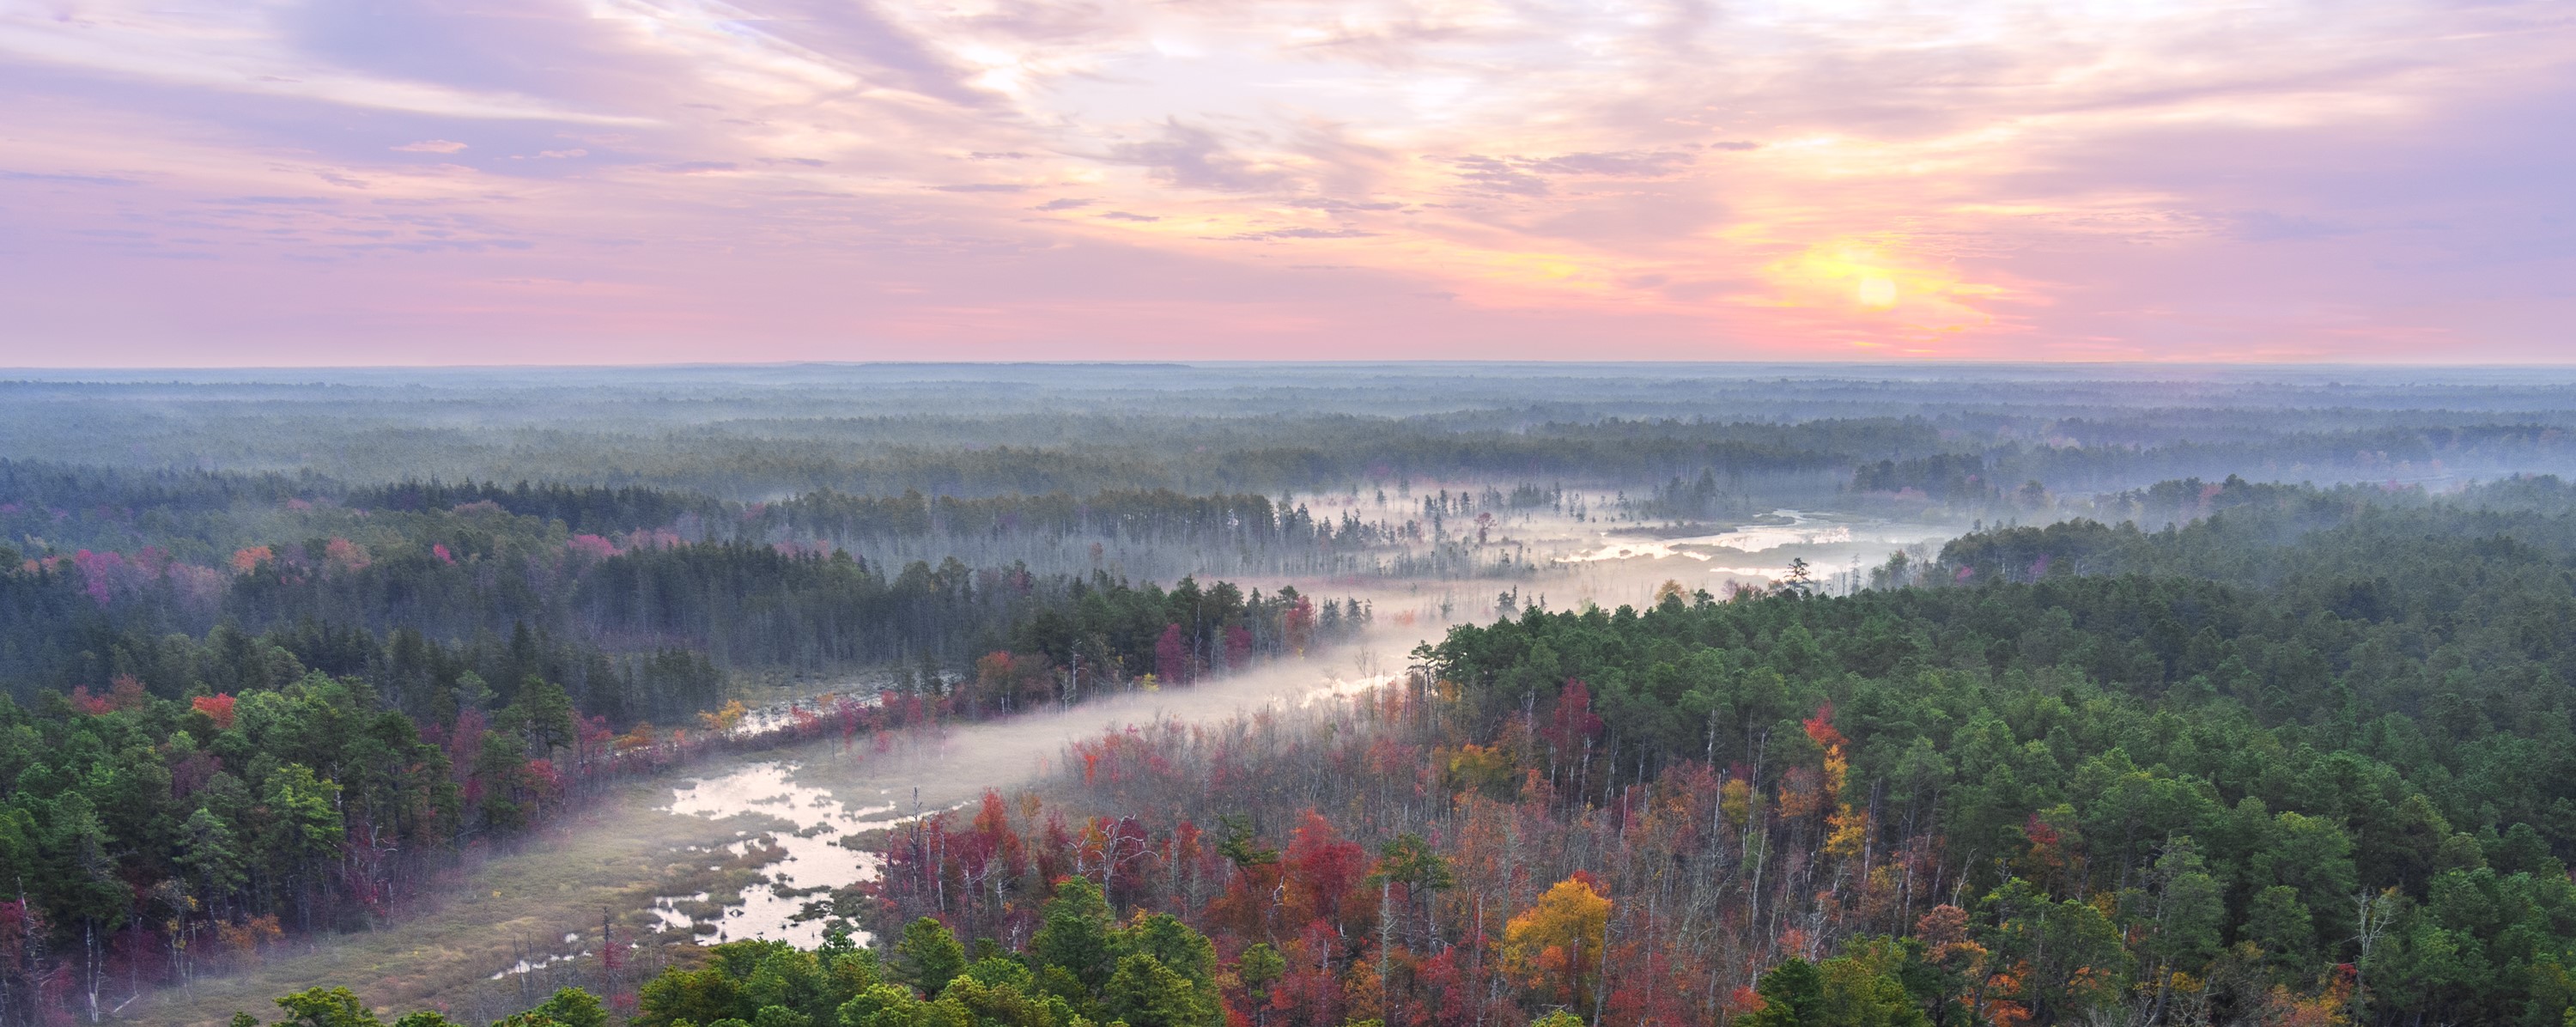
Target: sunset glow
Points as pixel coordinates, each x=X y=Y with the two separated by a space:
x=657 y=180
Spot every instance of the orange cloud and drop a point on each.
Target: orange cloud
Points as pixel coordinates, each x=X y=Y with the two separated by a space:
x=1406 y=177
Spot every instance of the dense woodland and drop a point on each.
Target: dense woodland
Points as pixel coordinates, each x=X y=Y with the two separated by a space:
x=298 y=734
x=182 y=571
x=151 y=837
x=2298 y=761
x=209 y=517
x=2188 y=749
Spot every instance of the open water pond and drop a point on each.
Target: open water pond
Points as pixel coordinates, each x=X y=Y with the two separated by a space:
x=1825 y=539
x=807 y=824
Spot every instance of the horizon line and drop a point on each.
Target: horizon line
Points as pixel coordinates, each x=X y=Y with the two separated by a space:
x=8 y=372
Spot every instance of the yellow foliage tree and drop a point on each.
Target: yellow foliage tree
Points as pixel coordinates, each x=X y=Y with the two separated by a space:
x=1735 y=799
x=724 y=720
x=1846 y=829
x=1559 y=938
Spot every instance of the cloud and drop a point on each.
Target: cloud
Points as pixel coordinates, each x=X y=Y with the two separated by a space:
x=1328 y=203
x=1195 y=158
x=1300 y=233
x=1690 y=173
x=34 y=176
x=1488 y=174
x=1631 y=164
x=1528 y=176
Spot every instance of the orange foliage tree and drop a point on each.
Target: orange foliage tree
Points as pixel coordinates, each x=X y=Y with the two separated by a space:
x=1557 y=941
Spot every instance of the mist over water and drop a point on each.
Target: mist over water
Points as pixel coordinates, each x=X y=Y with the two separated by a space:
x=805 y=800
x=736 y=847
x=792 y=808
x=943 y=513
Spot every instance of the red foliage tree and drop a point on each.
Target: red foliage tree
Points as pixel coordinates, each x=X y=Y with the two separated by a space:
x=217 y=707
x=1573 y=721
x=1172 y=656
x=1322 y=871
x=1310 y=993
x=1238 y=647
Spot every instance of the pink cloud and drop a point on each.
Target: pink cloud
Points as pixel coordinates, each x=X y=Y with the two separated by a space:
x=825 y=181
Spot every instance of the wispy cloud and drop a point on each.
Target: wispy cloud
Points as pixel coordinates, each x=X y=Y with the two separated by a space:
x=2187 y=179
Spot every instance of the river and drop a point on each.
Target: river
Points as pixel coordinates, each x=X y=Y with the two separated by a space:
x=739 y=844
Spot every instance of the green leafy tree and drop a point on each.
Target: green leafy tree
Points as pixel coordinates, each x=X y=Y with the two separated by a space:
x=2178 y=920
x=1255 y=970
x=325 y=1007
x=991 y=1000
x=929 y=956
x=542 y=712
x=2279 y=924
x=1173 y=943
x=306 y=812
x=1073 y=940
x=569 y=1007
x=1857 y=995
x=501 y=768
x=1410 y=861
x=2312 y=855
x=701 y=996
x=1145 y=993
x=1792 y=993
x=1839 y=992
x=211 y=855
x=1241 y=845
x=881 y=1005
x=2067 y=956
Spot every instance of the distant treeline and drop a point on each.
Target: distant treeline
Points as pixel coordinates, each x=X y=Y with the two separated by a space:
x=1145 y=515
x=753 y=459
x=205 y=517
x=198 y=514
x=503 y=592
x=2013 y=473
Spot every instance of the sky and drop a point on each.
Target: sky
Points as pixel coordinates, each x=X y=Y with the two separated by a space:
x=301 y=182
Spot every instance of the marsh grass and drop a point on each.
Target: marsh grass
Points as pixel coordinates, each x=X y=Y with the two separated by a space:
x=508 y=904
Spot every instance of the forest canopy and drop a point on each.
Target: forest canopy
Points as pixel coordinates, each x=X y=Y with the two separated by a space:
x=2235 y=697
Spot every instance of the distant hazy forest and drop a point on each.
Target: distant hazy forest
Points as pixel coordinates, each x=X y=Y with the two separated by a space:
x=766 y=434
x=2237 y=699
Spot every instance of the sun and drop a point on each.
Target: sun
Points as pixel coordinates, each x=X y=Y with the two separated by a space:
x=1874 y=277
x=1876 y=292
